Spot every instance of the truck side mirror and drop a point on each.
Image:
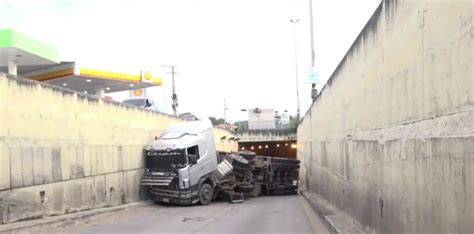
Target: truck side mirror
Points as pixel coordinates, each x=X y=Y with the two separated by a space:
x=193 y=159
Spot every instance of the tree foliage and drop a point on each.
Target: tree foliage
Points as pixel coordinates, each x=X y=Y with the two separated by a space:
x=242 y=125
x=215 y=121
x=293 y=122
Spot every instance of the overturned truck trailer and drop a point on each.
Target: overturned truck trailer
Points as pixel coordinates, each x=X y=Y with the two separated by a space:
x=183 y=167
x=253 y=175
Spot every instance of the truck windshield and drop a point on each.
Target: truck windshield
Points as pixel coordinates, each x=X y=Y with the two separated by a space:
x=165 y=160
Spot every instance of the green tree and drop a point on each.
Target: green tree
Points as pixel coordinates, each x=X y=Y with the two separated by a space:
x=242 y=125
x=293 y=122
x=215 y=121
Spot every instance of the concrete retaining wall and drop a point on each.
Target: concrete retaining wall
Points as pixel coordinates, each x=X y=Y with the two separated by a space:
x=390 y=138
x=62 y=152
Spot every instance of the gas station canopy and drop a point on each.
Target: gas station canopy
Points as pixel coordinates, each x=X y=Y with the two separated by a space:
x=25 y=56
x=92 y=81
x=20 y=50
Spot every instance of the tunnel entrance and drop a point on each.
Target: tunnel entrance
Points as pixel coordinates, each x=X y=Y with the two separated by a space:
x=282 y=149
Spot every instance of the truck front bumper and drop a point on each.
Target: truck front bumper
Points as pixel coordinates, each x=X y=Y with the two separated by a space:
x=184 y=197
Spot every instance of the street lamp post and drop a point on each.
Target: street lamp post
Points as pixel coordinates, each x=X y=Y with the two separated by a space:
x=311 y=31
x=294 y=21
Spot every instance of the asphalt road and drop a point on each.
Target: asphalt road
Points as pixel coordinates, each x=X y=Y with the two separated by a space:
x=278 y=214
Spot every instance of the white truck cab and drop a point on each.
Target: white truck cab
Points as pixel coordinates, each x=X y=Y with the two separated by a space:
x=181 y=165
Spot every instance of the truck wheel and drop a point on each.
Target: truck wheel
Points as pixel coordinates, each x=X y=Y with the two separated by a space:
x=206 y=194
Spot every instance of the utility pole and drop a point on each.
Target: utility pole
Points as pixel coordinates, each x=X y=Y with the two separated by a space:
x=225 y=110
x=296 y=71
x=314 y=90
x=174 y=97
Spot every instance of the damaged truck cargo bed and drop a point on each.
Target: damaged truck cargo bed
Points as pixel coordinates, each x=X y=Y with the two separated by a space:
x=183 y=167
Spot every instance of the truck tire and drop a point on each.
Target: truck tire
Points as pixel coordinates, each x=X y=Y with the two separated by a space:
x=240 y=171
x=247 y=155
x=239 y=161
x=285 y=161
x=206 y=194
x=244 y=188
x=279 y=166
x=251 y=162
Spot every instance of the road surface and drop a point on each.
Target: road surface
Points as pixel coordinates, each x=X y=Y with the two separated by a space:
x=278 y=214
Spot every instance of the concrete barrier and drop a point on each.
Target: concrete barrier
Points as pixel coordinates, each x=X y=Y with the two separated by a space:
x=63 y=152
x=390 y=138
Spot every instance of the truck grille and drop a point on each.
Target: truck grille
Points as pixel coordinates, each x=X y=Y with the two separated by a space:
x=156 y=180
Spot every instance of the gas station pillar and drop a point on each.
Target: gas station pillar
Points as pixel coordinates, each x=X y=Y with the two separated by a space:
x=12 y=67
x=99 y=91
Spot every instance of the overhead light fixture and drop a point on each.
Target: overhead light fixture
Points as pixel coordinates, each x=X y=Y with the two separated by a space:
x=85 y=92
x=252 y=148
x=131 y=85
x=64 y=84
x=266 y=146
x=286 y=144
x=259 y=146
x=293 y=146
x=107 y=88
x=88 y=80
x=243 y=148
x=278 y=145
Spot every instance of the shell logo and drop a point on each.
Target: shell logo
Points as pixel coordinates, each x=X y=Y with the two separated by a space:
x=137 y=92
x=147 y=75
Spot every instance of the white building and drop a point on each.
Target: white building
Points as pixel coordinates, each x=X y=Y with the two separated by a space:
x=261 y=118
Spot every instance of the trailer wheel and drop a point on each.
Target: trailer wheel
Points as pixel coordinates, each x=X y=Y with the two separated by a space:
x=239 y=161
x=285 y=161
x=245 y=188
x=239 y=170
x=247 y=155
x=206 y=194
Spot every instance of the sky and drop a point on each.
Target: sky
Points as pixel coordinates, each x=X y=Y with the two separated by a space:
x=240 y=51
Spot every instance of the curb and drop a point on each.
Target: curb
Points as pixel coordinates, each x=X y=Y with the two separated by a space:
x=65 y=219
x=329 y=225
x=335 y=220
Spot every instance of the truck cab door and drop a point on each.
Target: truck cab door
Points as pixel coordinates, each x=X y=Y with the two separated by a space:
x=194 y=169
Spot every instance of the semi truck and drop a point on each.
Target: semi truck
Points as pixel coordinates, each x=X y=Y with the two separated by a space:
x=182 y=166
